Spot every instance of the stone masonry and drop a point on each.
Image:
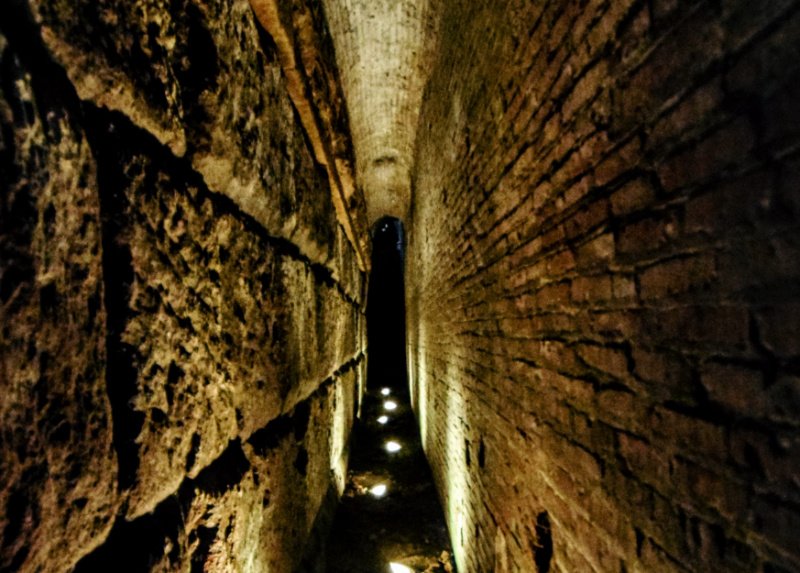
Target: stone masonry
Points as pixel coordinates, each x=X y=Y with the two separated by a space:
x=182 y=347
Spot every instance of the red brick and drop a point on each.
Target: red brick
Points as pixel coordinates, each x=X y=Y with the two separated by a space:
x=553 y=237
x=783 y=399
x=777 y=522
x=668 y=524
x=604 y=30
x=558 y=356
x=614 y=324
x=610 y=360
x=668 y=372
x=786 y=188
x=620 y=409
x=780 y=329
x=775 y=455
x=579 y=393
x=594 y=288
x=631 y=197
x=699 y=485
x=576 y=460
x=694 y=111
x=704 y=214
x=554 y=294
x=646 y=461
x=647 y=235
x=586 y=88
x=596 y=251
x=587 y=219
x=782 y=118
x=618 y=162
x=624 y=287
x=677 y=276
x=582 y=24
x=766 y=60
x=691 y=434
x=560 y=263
x=738 y=389
x=663 y=8
x=725 y=149
x=747 y=202
x=756 y=263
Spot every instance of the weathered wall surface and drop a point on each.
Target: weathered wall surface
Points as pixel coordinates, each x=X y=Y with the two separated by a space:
x=603 y=271
x=182 y=329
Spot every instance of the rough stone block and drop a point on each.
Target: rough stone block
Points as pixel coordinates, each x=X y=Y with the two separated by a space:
x=58 y=492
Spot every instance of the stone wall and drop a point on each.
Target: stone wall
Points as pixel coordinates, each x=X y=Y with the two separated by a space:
x=603 y=270
x=182 y=348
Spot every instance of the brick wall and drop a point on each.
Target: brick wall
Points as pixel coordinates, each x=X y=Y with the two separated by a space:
x=182 y=347
x=603 y=269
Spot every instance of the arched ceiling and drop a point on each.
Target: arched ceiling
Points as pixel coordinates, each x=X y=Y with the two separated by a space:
x=384 y=51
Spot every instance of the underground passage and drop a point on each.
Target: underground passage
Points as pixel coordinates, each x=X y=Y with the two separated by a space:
x=399 y=286
x=389 y=514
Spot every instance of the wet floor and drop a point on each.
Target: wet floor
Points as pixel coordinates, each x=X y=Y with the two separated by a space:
x=403 y=525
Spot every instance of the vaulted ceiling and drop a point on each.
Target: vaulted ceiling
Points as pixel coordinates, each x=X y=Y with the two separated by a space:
x=384 y=52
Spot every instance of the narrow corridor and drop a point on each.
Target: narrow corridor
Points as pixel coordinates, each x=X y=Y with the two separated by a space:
x=564 y=235
x=390 y=518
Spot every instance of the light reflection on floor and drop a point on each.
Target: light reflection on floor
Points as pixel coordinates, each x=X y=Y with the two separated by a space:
x=390 y=519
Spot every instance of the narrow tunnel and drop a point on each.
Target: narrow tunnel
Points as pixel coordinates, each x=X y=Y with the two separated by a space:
x=386 y=307
x=390 y=514
x=587 y=322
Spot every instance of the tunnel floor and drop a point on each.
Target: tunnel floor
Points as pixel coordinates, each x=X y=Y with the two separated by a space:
x=406 y=525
